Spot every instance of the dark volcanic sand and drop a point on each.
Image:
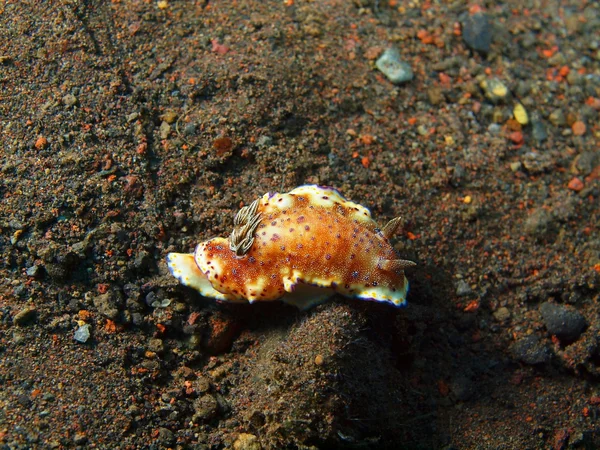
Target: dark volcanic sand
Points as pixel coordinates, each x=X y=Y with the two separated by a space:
x=133 y=128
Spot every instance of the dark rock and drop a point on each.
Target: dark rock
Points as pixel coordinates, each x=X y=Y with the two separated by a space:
x=477 y=32
x=79 y=438
x=222 y=331
x=462 y=388
x=137 y=319
x=565 y=323
x=539 y=224
x=20 y=291
x=143 y=262
x=25 y=316
x=24 y=400
x=206 y=407
x=156 y=345
x=166 y=437
x=531 y=350
x=107 y=305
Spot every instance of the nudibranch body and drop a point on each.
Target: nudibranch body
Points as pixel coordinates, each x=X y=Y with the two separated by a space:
x=300 y=247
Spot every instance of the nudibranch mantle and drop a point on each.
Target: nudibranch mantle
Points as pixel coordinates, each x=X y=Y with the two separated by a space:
x=300 y=247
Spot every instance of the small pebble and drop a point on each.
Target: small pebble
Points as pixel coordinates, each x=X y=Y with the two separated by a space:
x=578 y=128
x=41 y=143
x=538 y=131
x=531 y=350
x=477 y=32
x=521 y=114
x=516 y=137
x=79 y=438
x=396 y=70
x=558 y=59
x=557 y=118
x=585 y=162
x=189 y=129
x=516 y=166
x=34 y=271
x=169 y=117
x=156 y=345
x=575 y=184
x=82 y=334
x=565 y=323
x=435 y=95
x=165 y=130
x=246 y=441
x=502 y=314
x=463 y=289
x=69 y=100
x=494 y=89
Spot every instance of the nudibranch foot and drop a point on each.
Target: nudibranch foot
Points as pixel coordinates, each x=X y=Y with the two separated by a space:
x=300 y=247
x=304 y=296
x=183 y=267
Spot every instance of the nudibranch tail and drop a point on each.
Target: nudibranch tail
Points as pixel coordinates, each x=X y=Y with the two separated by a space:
x=183 y=267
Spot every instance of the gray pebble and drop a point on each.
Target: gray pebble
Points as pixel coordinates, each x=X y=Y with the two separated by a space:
x=137 y=319
x=585 y=162
x=463 y=289
x=151 y=297
x=396 y=70
x=531 y=350
x=565 y=323
x=82 y=334
x=477 y=32
x=264 y=141
x=34 y=271
x=189 y=129
x=20 y=291
x=538 y=130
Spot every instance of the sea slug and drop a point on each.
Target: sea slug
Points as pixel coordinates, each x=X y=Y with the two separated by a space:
x=300 y=247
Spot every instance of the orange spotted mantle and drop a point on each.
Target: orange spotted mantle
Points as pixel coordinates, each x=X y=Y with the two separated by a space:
x=300 y=247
